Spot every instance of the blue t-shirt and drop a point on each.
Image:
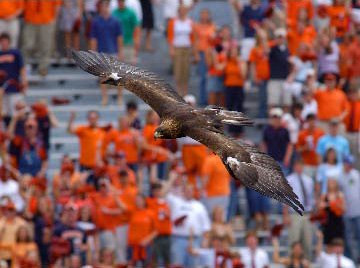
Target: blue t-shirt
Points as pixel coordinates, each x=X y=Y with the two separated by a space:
x=248 y=15
x=339 y=143
x=276 y=140
x=11 y=62
x=106 y=33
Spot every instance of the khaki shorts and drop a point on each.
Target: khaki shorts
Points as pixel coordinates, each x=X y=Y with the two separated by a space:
x=129 y=53
x=277 y=93
x=182 y=64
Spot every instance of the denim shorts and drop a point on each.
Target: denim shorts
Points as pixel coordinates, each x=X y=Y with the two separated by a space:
x=215 y=84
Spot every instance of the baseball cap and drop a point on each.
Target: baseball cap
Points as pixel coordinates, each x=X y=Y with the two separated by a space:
x=276 y=112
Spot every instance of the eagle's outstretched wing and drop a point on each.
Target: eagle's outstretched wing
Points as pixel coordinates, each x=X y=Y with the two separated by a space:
x=252 y=167
x=147 y=85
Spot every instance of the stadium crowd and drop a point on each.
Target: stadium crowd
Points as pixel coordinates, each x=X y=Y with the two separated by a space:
x=133 y=201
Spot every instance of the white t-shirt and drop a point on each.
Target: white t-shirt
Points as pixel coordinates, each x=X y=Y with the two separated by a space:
x=10 y=188
x=331 y=261
x=260 y=258
x=182 y=33
x=292 y=125
x=309 y=108
x=196 y=219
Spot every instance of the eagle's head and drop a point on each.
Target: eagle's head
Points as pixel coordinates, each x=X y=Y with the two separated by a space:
x=160 y=133
x=168 y=129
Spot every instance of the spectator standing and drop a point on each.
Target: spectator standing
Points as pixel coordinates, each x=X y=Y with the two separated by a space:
x=349 y=182
x=334 y=256
x=180 y=39
x=328 y=55
x=251 y=17
x=333 y=203
x=126 y=140
x=352 y=123
x=29 y=152
x=252 y=256
x=260 y=70
x=279 y=71
x=205 y=31
x=11 y=62
x=131 y=31
x=215 y=184
x=148 y=22
x=235 y=76
x=332 y=102
x=276 y=140
x=221 y=228
x=39 y=30
x=9 y=19
x=142 y=231
x=353 y=56
x=306 y=145
x=133 y=115
x=189 y=217
x=162 y=242
x=69 y=230
x=333 y=140
x=296 y=259
x=10 y=224
x=90 y=137
x=331 y=167
x=300 y=227
x=106 y=35
x=10 y=188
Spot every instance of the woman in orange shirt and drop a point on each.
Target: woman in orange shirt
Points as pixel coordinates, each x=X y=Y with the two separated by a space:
x=142 y=231
x=154 y=155
x=260 y=69
x=205 y=30
x=235 y=72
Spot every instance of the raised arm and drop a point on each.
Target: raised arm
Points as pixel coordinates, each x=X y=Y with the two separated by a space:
x=70 y=127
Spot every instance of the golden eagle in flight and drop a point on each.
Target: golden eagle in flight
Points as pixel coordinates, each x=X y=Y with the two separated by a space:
x=252 y=167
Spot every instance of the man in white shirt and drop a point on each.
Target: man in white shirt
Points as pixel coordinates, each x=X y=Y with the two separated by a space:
x=252 y=256
x=349 y=183
x=334 y=257
x=189 y=216
x=300 y=227
x=10 y=188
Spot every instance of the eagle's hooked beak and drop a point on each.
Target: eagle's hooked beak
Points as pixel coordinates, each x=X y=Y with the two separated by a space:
x=157 y=135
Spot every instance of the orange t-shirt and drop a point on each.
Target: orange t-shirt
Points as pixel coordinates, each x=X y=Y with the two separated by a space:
x=219 y=177
x=339 y=19
x=295 y=38
x=149 y=155
x=203 y=35
x=259 y=56
x=103 y=220
x=142 y=224
x=330 y=103
x=89 y=142
x=127 y=196
x=221 y=57
x=113 y=173
x=311 y=138
x=293 y=8
x=354 y=115
x=124 y=140
x=9 y=8
x=41 y=12
x=233 y=75
x=162 y=212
